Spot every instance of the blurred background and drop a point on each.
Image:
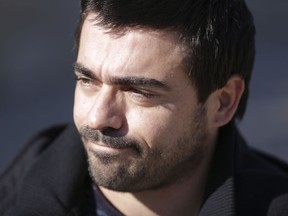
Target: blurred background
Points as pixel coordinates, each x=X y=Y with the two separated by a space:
x=36 y=76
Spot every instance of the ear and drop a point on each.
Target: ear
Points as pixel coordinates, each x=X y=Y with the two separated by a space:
x=227 y=99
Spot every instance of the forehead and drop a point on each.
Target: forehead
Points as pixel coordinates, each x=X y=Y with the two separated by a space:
x=135 y=51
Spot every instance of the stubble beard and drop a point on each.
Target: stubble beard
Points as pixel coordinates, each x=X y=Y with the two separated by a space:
x=149 y=169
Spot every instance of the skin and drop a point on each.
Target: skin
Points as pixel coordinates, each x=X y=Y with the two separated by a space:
x=148 y=140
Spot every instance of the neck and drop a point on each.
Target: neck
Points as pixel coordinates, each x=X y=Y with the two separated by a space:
x=184 y=198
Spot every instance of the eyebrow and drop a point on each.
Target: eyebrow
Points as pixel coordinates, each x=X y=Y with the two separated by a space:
x=124 y=81
x=79 y=68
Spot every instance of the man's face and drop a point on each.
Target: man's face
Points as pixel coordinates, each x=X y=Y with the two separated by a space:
x=136 y=110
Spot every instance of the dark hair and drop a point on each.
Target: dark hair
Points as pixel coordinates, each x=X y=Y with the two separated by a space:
x=218 y=35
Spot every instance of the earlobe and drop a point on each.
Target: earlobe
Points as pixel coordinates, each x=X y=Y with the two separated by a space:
x=228 y=99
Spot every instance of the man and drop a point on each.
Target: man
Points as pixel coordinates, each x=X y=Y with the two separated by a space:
x=159 y=87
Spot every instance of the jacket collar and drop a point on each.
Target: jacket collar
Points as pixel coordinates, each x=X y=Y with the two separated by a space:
x=57 y=182
x=219 y=195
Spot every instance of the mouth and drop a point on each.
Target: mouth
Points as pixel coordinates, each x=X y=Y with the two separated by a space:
x=100 y=147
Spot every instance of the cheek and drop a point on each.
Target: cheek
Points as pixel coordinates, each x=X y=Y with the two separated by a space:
x=154 y=126
x=80 y=109
x=76 y=110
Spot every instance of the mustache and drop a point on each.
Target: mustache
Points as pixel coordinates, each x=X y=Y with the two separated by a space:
x=93 y=135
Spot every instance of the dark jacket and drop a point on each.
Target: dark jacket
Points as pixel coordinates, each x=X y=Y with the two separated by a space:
x=50 y=178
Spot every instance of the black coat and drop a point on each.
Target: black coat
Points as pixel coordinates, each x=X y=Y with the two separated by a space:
x=50 y=178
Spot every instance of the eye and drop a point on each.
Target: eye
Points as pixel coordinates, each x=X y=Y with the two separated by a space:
x=84 y=80
x=139 y=93
x=143 y=93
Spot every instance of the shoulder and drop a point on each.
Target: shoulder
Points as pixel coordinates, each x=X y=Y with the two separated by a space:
x=260 y=179
x=34 y=148
x=13 y=175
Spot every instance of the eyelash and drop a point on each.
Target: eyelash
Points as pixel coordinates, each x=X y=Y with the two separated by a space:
x=83 y=80
x=139 y=93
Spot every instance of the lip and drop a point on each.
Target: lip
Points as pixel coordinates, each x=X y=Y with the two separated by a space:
x=101 y=147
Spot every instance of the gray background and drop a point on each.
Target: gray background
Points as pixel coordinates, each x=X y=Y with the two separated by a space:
x=36 y=78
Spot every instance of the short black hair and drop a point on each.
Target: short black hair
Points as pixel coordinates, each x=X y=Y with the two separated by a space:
x=218 y=35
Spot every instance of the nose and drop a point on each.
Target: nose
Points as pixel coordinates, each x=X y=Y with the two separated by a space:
x=107 y=110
